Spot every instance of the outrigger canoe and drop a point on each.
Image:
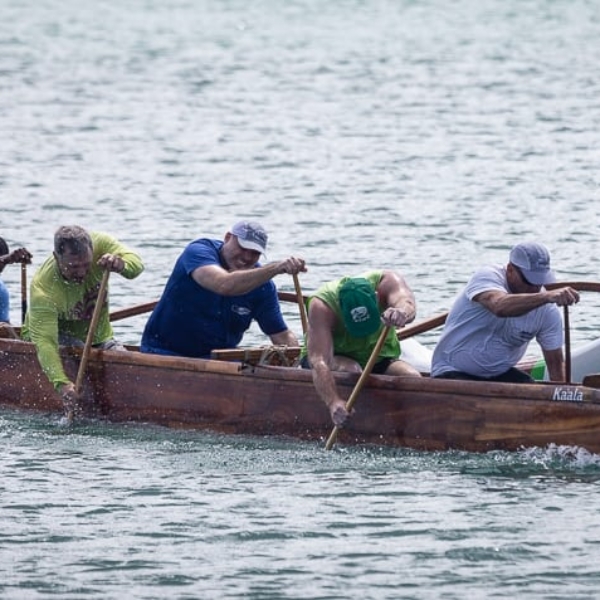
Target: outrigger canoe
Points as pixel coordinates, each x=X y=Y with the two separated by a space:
x=239 y=392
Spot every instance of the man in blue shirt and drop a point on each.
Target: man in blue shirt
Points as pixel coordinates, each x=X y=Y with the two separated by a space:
x=215 y=291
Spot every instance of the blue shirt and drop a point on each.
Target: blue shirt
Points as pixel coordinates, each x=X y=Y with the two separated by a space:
x=190 y=320
x=4 y=303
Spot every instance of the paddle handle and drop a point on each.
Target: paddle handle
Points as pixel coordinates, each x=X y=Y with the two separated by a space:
x=91 y=332
x=360 y=383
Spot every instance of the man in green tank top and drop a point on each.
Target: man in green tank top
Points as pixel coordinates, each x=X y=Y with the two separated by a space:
x=345 y=319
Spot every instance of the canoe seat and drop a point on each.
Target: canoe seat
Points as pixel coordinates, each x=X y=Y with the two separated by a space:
x=281 y=356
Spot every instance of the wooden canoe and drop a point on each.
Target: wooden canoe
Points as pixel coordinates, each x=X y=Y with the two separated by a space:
x=258 y=399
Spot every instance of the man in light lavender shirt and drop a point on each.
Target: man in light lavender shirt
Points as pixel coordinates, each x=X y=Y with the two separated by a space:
x=501 y=309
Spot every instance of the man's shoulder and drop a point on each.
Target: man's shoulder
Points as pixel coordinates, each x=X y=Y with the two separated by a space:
x=100 y=236
x=204 y=248
x=103 y=243
x=373 y=276
x=204 y=243
x=46 y=274
x=328 y=293
x=486 y=278
x=493 y=270
x=327 y=287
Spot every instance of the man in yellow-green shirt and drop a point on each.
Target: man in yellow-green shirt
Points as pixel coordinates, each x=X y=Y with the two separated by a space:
x=63 y=295
x=345 y=319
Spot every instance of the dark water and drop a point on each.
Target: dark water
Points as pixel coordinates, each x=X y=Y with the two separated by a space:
x=423 y=136
x=105 y=511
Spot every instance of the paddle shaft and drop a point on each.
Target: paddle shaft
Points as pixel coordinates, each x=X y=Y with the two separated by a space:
x=567 y=345
x=422 y=326
x=406 y=332
x=90 y=338
x=439 y=320
x=23 y=291
x=133 y=311
x=360 y=383
x=146 y=307
x=301 y=305
x=580 y=286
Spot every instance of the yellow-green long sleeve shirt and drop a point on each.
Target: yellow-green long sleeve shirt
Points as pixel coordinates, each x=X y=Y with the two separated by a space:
x=57 y=306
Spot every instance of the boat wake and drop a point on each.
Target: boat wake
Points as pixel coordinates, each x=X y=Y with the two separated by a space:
x=573 y=456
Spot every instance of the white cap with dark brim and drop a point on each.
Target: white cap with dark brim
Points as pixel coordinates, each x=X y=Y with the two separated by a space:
x=533 y=260
x=251 y=235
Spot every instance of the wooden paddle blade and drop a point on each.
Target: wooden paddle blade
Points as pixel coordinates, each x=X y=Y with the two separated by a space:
x=332 y=437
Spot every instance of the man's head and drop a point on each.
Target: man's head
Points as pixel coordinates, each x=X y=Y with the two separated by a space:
x=251 y=235
x=244 y=244
x=73 y=252
x=532 y=261
x=358 y=304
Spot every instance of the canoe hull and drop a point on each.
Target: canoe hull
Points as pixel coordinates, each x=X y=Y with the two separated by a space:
x=228 y=397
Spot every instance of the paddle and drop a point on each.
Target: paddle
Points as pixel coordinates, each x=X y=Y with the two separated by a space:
x=439 y=320
x=409 y=331
x=422 y=326
x=145 y=307
x=23 y=291
x=567 y=346
x=360 y=383
x=301 y=305
x=133 y=311
x=90 y=339
x=581 y=286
